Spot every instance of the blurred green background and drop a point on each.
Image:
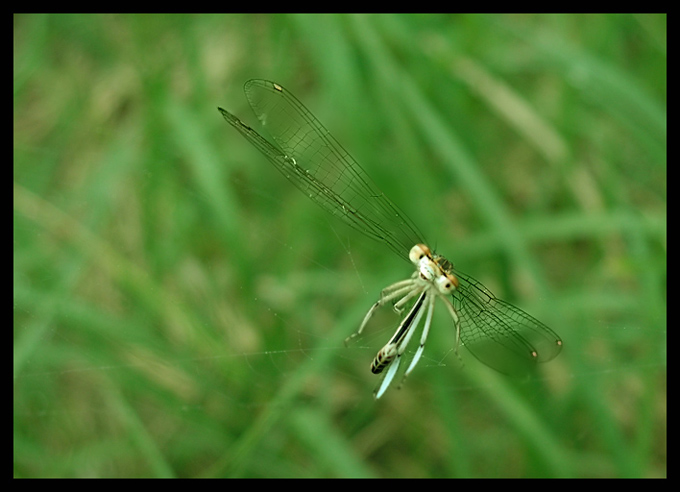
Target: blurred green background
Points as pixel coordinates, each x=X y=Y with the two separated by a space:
x=180 y=308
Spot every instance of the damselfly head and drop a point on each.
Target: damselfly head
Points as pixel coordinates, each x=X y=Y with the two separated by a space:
x=418 y=252
x=446 y=283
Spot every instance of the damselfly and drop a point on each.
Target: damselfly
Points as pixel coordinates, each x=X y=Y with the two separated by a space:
x=494 y=331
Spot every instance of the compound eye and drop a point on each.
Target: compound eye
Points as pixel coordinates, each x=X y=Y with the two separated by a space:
x=418 y=252
x=446 y=283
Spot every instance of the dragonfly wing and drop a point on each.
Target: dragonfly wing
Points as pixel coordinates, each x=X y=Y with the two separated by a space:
x=325 y=171
x=499 y=334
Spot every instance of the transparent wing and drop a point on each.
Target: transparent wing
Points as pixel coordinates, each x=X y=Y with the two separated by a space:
x=499 y=334
x=310 y=157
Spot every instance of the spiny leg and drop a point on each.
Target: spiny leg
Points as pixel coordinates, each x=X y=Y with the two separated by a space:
x=397 y=345
x=423 y=337
x=397 y=285
x=456 y=320
x=407 y=287
x=389 y=376
x=399 y=305
x=409 y=333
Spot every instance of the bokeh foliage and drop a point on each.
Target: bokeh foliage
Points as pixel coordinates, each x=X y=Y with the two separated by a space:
x=179 y=308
